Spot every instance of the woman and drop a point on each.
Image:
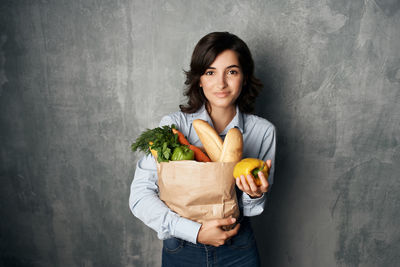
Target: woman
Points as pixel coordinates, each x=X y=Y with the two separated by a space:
x=221 y=89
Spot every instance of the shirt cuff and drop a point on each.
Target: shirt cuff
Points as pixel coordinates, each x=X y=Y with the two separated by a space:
x=187 y=230
x=253 y=206
x=248 y=198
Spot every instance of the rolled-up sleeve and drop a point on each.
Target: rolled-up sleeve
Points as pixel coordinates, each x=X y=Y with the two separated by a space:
x=253 y=206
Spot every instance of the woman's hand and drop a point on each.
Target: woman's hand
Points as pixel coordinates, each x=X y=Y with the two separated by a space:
x=211 y=233
x=249 y=186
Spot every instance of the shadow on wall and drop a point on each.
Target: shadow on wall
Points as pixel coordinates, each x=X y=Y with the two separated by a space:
x=271 y=70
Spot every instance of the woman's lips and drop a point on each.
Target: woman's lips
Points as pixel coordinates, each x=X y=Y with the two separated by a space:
x=222 y=94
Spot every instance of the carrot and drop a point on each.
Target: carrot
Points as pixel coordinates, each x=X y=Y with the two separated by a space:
x=199 y=155
x=181 y=137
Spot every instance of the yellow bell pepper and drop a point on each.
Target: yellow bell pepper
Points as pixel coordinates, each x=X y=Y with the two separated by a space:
x=251 y=166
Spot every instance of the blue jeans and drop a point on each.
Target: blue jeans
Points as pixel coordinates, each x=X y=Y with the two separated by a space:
x=240 y=250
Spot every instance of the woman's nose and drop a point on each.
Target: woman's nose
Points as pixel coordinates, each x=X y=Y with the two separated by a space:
x=221 y=82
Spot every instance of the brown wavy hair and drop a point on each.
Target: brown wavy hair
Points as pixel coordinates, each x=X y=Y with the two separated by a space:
x=204 y=54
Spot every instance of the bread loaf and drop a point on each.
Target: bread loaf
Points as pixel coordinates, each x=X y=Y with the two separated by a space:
x=210 y=139
x=232 y=148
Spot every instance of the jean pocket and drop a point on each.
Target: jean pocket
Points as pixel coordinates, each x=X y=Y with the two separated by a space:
x=173 y=245
x=243 y=240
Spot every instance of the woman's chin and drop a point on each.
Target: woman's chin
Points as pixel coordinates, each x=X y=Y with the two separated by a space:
x=222 y=105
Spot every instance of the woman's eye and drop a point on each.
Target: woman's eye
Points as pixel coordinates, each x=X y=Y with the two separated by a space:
x=209 y=72
x=232 y=72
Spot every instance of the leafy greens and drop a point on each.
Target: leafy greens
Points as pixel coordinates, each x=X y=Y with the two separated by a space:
x=161 y=139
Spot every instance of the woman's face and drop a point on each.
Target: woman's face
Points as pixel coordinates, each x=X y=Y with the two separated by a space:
x=222 y=80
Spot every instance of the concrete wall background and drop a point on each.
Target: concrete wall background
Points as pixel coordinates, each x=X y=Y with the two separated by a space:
x=81 y=79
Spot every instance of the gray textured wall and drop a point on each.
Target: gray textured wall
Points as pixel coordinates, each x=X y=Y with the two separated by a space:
x=81 y=79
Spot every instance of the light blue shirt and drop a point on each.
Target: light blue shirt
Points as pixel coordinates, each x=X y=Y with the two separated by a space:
x=259 y=141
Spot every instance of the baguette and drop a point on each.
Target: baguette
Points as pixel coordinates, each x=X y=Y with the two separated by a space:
x=232 y=148
x=210 y=139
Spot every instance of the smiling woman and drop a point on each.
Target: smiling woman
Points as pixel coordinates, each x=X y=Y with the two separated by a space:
x=222 y=84
x=221 y=90
x=205 y=54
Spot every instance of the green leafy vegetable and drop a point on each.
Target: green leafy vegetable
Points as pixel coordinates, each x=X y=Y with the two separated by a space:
x=162 y=140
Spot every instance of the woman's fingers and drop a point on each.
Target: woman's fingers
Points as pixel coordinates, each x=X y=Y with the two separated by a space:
x=239 y=183
x=252 y=184
x=264 y=182
x=269 y=162
x=248 y=185
x=245 y=185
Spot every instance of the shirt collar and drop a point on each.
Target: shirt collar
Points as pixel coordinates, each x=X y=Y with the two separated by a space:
x=237 y=121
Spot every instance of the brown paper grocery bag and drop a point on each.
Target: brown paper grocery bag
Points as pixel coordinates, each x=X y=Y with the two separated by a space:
x=198 y=191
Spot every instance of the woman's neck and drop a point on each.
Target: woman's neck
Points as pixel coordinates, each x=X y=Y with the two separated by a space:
x=221 y=117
